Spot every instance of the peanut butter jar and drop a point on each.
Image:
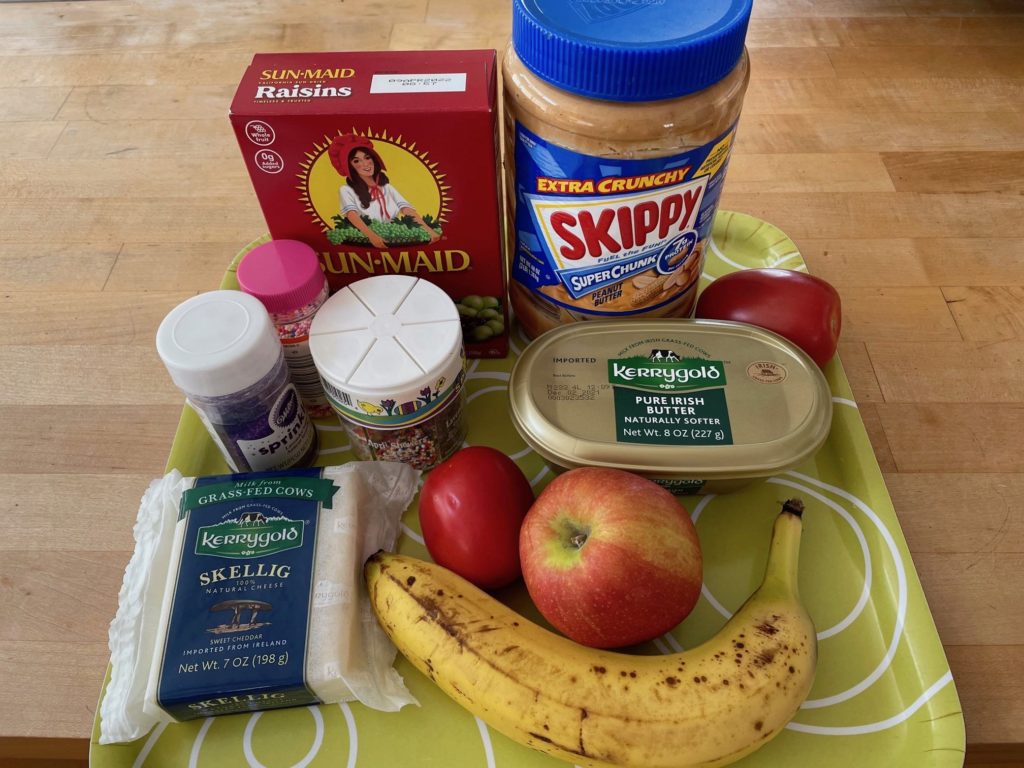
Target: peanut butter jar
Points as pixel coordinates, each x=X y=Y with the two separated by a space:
x=619 y=122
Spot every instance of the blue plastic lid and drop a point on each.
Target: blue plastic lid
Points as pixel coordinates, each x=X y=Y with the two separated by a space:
x=630 y=50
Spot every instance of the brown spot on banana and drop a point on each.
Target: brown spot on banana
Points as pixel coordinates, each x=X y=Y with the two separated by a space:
x=583 y=716
x=553 y=743
x=432 y=610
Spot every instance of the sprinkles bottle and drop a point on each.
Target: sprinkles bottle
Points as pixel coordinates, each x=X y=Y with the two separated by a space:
x=389 y=352
x=285 y=275
x=222 y=351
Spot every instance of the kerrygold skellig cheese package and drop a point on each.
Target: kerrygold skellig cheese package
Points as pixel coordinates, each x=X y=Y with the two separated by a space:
x=245 y=593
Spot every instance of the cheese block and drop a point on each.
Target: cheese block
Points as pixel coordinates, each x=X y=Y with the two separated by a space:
x=245 y=593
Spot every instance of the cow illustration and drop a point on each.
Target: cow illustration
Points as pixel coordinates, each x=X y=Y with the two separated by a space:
x=664 y=354
x=371 y=409
x=252 y=518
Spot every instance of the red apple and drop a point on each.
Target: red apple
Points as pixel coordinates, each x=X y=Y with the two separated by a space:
x=610 y=558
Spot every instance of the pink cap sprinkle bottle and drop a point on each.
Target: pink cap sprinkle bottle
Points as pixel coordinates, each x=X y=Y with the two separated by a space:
x=285 y=276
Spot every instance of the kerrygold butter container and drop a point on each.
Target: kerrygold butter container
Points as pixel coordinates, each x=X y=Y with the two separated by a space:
x=700 y=406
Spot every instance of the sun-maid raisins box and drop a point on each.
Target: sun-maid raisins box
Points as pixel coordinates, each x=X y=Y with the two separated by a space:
x=384 y=163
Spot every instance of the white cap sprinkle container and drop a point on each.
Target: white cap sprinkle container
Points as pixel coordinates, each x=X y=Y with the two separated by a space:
x=389 y=353
x=222 y=351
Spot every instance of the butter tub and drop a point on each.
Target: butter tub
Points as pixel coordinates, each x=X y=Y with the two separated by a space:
x=699 y=406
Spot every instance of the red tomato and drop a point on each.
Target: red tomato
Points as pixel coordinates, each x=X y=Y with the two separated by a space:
x=471 y=509
x=797 y=306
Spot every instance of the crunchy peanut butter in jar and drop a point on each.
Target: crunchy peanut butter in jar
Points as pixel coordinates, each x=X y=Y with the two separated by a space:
x=619 y=122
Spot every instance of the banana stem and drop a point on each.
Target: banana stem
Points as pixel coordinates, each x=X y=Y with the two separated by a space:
x=784 y=555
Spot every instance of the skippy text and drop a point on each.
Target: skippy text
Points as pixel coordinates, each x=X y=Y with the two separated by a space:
x=588 y=228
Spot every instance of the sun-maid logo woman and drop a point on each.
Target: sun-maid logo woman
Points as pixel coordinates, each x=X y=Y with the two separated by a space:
x=375 y=190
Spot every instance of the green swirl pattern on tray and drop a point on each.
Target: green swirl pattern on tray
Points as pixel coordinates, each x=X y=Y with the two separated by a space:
x=883 y=695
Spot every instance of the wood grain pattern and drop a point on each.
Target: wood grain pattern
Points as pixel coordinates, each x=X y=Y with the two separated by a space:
x=948 y=372
x=119 y=319
x=948 y=261
x=855 y=31
x=984 y=313
x=876 y=433
x=150 y=177
x=860 y=131
x=42 y=374
x=906 y=314
x=25 y=267
x=803 y=172
x=989 y=689
x=954 y=437
x=212 y=66
x=75 y=439
x=28 y=138
x=860 y=372
x=113 y=103
x=926 y=61
x=891 y=214
x=930 y=502
x=178 y=220
x=187 y=267
x=885 y=136
x=956 y=171
x=816 y=95
x=67 y=596
x=40 y=103
x=68 y=682
x=971 y=596
x=190 y=139
x=99 y=502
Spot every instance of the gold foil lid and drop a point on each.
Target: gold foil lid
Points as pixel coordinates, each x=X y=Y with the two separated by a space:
x=670 y=398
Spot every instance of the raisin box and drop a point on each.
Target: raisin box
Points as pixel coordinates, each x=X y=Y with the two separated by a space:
x=384 y=163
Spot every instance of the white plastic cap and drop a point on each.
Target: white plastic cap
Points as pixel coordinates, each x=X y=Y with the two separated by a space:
x=383 y=341
x=218 y=343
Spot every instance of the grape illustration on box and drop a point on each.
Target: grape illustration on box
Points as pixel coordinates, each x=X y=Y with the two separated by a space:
x=372 y=210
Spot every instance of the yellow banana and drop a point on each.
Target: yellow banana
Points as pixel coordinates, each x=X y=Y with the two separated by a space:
x=708 y=706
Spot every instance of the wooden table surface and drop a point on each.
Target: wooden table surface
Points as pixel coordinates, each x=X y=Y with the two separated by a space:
x=885 y=136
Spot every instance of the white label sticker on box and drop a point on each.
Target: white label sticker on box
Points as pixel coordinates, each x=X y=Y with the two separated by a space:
x=448 y=82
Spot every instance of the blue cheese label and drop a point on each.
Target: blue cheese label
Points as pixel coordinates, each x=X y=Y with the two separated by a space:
x=238 y=626
x=607 y=237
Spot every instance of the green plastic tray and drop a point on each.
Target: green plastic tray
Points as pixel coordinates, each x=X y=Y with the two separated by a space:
x=883 y=696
